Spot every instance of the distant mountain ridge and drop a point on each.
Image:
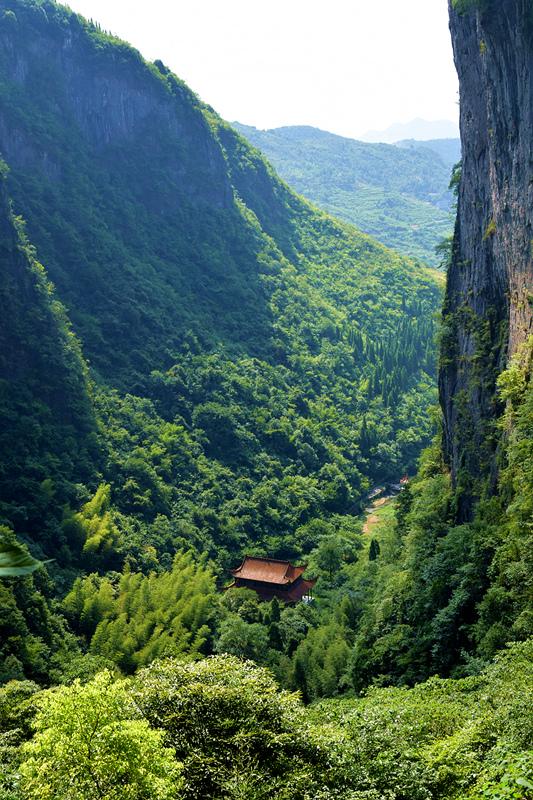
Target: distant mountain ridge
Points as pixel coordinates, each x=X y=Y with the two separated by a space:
x=418 y=129
x=449 y=150
x=398 y=194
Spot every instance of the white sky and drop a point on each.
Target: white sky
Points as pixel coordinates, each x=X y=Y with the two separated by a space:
x=342 y=65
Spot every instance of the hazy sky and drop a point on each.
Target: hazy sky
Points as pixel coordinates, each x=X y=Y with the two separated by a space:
x=342 y=65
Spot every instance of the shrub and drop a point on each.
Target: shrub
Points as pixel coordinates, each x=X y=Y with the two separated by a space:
x=229 y=724
x=91 y=744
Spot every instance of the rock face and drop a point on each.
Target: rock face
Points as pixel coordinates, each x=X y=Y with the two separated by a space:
x=111 y=100
x=488 y=306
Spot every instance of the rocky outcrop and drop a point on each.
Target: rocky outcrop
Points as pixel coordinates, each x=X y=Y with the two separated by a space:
x=110 y=97
x=488 y=306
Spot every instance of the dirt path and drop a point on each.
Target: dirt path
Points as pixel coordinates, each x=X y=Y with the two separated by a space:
x=370 y=522
x=382 y=501
x=371 y=518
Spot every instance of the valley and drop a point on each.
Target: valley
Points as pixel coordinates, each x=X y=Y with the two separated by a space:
x=399 y=194
x=201 y=369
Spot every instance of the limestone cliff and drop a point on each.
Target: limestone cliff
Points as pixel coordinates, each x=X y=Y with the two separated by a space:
x=488 y=306
x=110 y=99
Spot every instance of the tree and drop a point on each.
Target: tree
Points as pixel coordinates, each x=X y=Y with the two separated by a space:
x=145 y=617
x=229 y=723
x=91 y=744
x=374 y=550
x=320 y=662
x=327 y=558
x=404 y=503
x=275 y=610
x=94 y=528
x=240 y=638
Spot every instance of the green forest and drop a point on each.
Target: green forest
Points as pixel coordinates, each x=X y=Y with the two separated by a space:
x=396 y=193
x=197 y=364
x=219 y=370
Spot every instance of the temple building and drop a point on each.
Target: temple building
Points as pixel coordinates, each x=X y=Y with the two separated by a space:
x=271 y=578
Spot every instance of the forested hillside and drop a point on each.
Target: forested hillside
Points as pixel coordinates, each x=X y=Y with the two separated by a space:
x=251 y=365
x=398 y=194
x=449 y=582
x=449 y=150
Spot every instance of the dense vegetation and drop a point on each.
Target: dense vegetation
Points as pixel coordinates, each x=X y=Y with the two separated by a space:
x=221 y=728
x=398 y=194
x=426 y=594
x=220 y=368
x=252 y=365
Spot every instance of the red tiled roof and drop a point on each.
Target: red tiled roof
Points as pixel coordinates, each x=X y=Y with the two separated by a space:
x=301 y=589
x=293 y=573
x=268 y=570
x=293 y=594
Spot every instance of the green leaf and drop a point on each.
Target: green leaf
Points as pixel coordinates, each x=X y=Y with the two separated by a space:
x=15 y=560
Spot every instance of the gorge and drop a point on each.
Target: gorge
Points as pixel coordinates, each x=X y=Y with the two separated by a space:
x=199 y=368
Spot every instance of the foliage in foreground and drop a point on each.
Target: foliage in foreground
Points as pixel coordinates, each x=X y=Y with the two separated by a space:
x=92 y=743
x=221 y=728
x=14 y=559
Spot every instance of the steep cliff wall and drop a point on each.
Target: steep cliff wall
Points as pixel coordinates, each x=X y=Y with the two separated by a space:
x=488 y=306
x=111 y=101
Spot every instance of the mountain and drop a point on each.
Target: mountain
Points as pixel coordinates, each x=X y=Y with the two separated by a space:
x=459 y=588
x=448 y=150
x=399 y=195
x=419 y=129
x=300 y=359
x=230 y=368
